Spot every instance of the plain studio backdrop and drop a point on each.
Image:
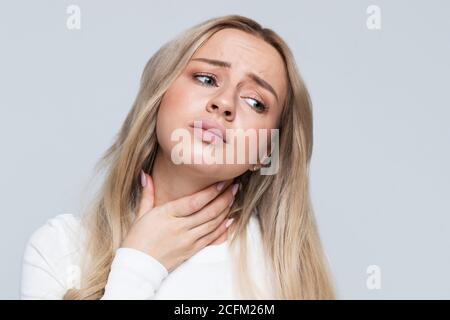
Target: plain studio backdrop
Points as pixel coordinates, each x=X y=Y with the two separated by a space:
x=380 y=173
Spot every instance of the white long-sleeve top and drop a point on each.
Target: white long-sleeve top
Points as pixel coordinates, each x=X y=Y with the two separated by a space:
x=52 y=257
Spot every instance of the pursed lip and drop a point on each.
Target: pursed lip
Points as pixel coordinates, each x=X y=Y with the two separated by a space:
x=207 y=124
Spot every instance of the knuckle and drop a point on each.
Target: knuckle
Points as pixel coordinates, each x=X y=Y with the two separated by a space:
x=206 y=213
x=194 y=204
x=182 y=226
x=210 y=225
x=165 y=209
x=203 y=230
x=211 y=214
x=213 y=193
x=186 y=243
x=179 y=228
x=202 y=242
x=176 y=229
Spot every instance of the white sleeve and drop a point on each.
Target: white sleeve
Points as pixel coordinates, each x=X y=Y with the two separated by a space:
x=41 y=274
x=50 y=266
x=133 y=275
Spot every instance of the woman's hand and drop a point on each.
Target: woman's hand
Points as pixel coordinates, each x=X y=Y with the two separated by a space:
x=175 y=231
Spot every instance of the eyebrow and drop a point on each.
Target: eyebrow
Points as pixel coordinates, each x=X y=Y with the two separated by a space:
x=223 y=64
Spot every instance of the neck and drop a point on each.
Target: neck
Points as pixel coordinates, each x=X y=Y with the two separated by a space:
x=173 y=181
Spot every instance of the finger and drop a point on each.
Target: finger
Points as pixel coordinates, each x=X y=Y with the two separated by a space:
x=189 y=204
x=213 y=209
x=147 y=196
x=207 y=239
x=209 y=226
x=223 y=237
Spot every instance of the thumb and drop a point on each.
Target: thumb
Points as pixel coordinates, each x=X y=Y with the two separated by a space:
x=147 y=195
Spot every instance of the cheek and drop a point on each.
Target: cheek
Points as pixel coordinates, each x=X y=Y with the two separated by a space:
x=263 y=142
x=261 y=146
x=183 y=97
x=175 y=101
x=165 y=122
x=172 y=97
x=178 y=107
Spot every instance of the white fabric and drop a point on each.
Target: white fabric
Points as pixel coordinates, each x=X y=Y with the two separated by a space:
x=51 y=265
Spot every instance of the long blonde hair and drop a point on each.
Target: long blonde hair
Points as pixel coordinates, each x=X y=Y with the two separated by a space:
x=297 y=267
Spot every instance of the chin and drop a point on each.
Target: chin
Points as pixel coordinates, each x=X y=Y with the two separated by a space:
x=207 y=170
x=217 y=171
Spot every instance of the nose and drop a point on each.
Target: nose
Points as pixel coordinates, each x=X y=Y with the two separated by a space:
x=223 y=104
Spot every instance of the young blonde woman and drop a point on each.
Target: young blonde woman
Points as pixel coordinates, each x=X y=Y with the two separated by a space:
x=161 y=230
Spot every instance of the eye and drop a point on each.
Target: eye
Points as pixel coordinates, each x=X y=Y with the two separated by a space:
x=206 y=79
x=210 y=80
x=259 y=106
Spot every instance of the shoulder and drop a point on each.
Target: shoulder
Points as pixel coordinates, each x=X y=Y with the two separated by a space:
x=52 y=256
x=59 y=237
x=60 y=227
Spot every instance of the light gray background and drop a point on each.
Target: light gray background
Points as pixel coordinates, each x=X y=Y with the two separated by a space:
x=380 y=170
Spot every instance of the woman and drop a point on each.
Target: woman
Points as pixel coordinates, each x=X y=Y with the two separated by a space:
x=160 y=229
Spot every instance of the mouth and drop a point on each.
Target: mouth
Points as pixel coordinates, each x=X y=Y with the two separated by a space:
x=210 y=130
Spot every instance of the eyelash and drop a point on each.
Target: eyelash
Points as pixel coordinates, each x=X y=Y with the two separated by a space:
x=195 y=75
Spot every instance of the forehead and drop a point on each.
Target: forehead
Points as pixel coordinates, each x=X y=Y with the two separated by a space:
x=246 y=53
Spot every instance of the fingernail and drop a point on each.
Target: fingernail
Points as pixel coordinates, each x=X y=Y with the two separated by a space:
x=220 y=185
x=229 y=222
x=143 y=179
x=234 y=188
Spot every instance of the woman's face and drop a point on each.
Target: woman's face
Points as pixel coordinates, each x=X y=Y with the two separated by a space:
x=234 y=79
